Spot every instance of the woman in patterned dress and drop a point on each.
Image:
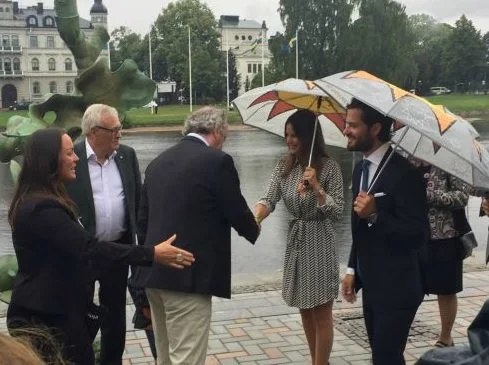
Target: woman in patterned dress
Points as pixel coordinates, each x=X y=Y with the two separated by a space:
x=314 y=197
x=443 y=260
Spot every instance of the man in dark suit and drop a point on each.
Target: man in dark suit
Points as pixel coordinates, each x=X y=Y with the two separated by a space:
x=192 y=189
x=389 y=226
x=107 y=192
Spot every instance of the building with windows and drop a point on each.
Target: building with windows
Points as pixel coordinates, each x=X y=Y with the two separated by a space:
x=244 y=38
x=34 y=60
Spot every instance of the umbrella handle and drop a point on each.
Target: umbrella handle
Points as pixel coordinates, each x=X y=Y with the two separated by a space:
x=396 y=145
x=306 y=183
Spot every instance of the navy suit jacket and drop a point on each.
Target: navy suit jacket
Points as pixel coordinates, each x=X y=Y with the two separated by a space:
x=386 y=255
x=194 y=191
x=80 y=190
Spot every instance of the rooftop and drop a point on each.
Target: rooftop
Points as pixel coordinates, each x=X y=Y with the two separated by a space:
x=233 y=21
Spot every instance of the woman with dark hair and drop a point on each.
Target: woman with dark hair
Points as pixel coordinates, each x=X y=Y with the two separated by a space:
x=314 y=197
x=53 y=249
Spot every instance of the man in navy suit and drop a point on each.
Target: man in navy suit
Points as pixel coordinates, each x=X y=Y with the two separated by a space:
x=389 y=226
x=192 y=189
x=107 y=191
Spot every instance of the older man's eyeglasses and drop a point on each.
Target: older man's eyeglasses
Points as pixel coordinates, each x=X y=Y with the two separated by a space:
x=114 y=130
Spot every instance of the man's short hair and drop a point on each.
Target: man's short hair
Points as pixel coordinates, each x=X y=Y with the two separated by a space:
x=94 y=115
x=370 y=116
x=205 y=121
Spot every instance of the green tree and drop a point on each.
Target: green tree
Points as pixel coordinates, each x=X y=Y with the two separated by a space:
x=464 y=57
x=125 y=44
x=172 y=27
x=382 y=42
x=234 y=77
x=321 y=25
x=430 y=41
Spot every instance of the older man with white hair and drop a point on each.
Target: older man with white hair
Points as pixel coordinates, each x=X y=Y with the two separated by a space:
x=107 y=191
x=192 y=189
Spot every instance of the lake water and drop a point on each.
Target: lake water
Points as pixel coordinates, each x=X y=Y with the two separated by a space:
x=255 y=154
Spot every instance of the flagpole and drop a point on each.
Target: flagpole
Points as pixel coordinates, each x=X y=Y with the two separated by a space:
x=150 y=58
x=227 y=72
x=262 y=58
x=296 y=55
x=190 y=67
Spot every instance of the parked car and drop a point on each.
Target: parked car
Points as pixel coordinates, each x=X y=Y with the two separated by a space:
x=439 y=90
x=22 y=105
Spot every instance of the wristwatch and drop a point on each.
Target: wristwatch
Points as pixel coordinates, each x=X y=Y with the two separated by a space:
x=372 y=218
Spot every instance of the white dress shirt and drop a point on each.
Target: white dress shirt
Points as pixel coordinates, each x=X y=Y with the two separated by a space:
x=375 y=159
x=196 y=135
x=108 y=196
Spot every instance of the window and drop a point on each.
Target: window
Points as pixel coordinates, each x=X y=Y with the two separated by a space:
x=1 y=64
x=36 y=88
x=32 y=21
x=53 y=87
x=6 y=41
x=69 y=87
x=33 y=41
x=50 y=41
x=7 y=65
x=35 y=64
x=16 y=65
x=236 y=37
x=52 y=64
x=15 y=41
x=254 y=68
x=243 y=37
x=1 y=10
x=250 y=38
x=249 y=68
x=68 y=65
x=7 y=10
x=259 y=67
x=48 y=21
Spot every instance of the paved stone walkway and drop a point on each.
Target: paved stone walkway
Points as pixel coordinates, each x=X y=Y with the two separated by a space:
x=259 y=329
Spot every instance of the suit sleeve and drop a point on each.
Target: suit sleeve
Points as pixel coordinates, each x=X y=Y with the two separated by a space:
x=143 y=215
x=408 y=218
x=54 y=226
x=232 y=202
x=137 y=178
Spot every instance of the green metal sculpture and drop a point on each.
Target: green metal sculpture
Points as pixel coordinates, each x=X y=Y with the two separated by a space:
x=123 y=89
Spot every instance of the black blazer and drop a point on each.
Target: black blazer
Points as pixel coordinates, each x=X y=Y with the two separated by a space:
x=52 y=249
x=193 y=190
x=80 y=190
x=388 y=251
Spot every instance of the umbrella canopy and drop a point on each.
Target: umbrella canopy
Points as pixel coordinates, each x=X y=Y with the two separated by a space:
x=269 y=107
x=424 y=130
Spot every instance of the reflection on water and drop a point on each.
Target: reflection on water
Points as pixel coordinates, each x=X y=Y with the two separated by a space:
x=255 y=154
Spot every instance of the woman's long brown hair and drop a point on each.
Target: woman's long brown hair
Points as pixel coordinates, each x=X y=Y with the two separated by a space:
x=302 y=122
x=39 y=176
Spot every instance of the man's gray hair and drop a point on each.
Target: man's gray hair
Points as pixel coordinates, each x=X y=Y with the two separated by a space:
x=94 y=115
x=205 y=121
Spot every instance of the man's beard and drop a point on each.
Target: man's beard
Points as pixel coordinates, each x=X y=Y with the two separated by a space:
x=363 y=144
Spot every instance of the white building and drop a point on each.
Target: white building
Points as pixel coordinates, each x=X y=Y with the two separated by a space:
x=33 y=58
x=244 y=38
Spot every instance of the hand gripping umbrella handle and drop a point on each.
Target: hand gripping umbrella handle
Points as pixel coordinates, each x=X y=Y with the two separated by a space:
x=306 y=183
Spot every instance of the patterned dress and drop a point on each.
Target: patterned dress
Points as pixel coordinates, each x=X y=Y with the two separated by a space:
x=311 y=272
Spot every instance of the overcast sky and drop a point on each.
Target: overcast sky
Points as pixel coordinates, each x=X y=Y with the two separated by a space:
x=139 y=14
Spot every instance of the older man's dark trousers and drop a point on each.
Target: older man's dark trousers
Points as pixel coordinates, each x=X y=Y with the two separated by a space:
x=112 y=295
x=388 y=330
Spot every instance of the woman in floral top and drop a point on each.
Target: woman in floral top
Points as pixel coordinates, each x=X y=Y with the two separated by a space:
x=443 y=260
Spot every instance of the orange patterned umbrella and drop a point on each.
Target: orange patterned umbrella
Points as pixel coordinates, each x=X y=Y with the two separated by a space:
x=269 y=107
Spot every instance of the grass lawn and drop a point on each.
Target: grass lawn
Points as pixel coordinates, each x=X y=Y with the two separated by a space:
x=167 y=115
x=175 y=114
x=462 y=103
